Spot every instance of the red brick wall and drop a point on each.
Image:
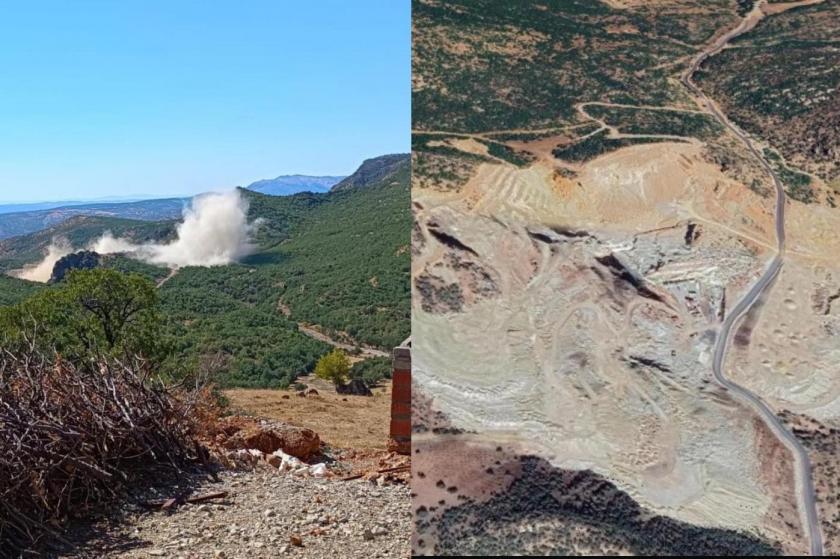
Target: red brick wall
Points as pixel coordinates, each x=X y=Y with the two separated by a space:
x=401 y=401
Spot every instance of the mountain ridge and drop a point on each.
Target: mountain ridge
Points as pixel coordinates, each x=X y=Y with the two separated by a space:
x=286 y=185
x=41 y=216
x=374 y=170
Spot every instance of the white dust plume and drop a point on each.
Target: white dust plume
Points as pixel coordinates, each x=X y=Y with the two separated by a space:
x=215 y=232
x=42 y=271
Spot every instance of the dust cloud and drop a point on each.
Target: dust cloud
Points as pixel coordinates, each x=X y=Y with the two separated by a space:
x=214 y=232
x=42 y=271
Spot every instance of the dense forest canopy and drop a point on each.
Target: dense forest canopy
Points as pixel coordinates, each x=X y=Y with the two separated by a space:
x=339 y=260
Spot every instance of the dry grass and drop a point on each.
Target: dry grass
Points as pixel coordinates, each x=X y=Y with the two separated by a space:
x=357 y=422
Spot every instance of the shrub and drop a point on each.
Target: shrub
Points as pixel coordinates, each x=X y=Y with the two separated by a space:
x=92 y=313
x=372 y=371
x=334 y=367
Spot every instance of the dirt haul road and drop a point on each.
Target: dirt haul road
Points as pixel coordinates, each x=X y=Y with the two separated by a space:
x=805 y=484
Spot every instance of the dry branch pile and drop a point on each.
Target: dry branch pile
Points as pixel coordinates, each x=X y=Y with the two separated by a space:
x=72 y=439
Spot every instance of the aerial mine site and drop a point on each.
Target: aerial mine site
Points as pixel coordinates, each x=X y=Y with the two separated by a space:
x=626 y=290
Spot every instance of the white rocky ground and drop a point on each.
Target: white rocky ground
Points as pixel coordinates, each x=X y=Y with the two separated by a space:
x=532 y=324
x=263 y=516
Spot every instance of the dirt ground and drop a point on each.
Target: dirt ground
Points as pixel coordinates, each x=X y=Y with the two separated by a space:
x=265 y=514
x=357 y=422
x=360 y=509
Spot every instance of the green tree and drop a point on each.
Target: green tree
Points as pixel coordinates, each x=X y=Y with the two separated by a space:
x=372 y=370
x=92 y=313
x=334 y=367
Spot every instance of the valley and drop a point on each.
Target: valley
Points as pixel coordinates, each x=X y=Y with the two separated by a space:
x=336 y=260
x=222 y=315
x=16 y=223
x=23 y=219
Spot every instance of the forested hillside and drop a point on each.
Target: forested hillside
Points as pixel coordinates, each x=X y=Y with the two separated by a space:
x=338 y=260
x=78 y=232
x=13 y=290
x=346 y=266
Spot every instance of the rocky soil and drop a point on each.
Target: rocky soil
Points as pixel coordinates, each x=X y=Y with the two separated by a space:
x=271 y=489
x=266 y=514
x=598 y=335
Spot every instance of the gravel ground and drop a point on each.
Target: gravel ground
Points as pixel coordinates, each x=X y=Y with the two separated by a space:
x=263 y=516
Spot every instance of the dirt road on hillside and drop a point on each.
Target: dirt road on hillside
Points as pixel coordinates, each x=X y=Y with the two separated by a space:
x=366 y=351
x=805 y=484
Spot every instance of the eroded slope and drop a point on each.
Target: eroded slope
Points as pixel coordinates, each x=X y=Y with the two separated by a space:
x=573 y=260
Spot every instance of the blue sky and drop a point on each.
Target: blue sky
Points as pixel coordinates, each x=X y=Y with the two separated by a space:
x=122 y=98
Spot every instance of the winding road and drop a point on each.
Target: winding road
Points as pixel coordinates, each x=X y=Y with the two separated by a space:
x=365 y=351
x=805 y=484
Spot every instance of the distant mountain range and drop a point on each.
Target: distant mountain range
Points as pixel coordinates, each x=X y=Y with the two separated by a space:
x=24 y=219
x=25 y=222
x=19 y=207
x=292 y=184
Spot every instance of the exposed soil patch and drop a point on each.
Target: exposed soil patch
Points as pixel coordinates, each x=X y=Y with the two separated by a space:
x=823 y=443
x=345 y=342
x=777 y=471
x=342 y=421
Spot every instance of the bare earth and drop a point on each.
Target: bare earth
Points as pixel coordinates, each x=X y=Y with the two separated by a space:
x=573 y=314
x=262 y=517
x=346 y=343
x=266 y=511
x=357 y=422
